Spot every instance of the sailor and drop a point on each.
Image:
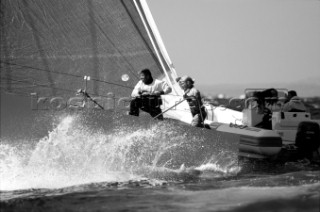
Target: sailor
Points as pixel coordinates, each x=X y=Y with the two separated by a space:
x=271 y=100
x=293 y=103
x=269 y=103
x=193 y=96
x=146 y=95
x=256 y=102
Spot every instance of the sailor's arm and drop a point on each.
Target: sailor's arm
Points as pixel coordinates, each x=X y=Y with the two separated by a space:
x=165 y=88
x=162 y=88
x=136 y=90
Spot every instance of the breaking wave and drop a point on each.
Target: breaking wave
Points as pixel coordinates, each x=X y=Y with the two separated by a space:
x=74 y=153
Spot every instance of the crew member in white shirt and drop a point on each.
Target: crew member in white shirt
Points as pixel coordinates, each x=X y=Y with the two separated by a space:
x=147 y=95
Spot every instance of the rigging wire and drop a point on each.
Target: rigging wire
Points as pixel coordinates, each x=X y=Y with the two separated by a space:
x=7 y=91
x=28 y=95
x=33 y=84
x=29 y=81
x=48 y=86
x=67 y=74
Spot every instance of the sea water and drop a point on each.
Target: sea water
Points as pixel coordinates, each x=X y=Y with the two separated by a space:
x=125 y=164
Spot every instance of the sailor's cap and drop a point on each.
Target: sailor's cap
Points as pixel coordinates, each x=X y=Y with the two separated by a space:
x=184 y=79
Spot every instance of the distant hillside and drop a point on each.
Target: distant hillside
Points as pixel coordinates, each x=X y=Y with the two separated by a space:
x=305 y=88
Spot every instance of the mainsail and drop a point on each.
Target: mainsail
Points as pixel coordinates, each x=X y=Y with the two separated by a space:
x=48 y=46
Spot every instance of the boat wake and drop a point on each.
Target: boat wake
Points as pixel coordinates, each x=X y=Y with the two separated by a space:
x=74 y=154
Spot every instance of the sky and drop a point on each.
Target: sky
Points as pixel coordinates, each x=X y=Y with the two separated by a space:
x=241 y=41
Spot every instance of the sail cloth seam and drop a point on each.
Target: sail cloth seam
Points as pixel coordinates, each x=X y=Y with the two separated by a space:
x=144 y=21
x=139 y=32
x=31 y=23
x=114 y=46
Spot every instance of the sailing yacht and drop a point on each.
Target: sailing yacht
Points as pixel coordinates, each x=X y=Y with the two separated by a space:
x=52 y=50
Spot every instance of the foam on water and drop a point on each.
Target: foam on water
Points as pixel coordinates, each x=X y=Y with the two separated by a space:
x=267 y=198
x=74 y=154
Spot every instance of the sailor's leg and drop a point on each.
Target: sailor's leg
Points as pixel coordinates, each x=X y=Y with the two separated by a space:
x=135 y=104
x=203 y=115
x=196 y=120
x=156 y=111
